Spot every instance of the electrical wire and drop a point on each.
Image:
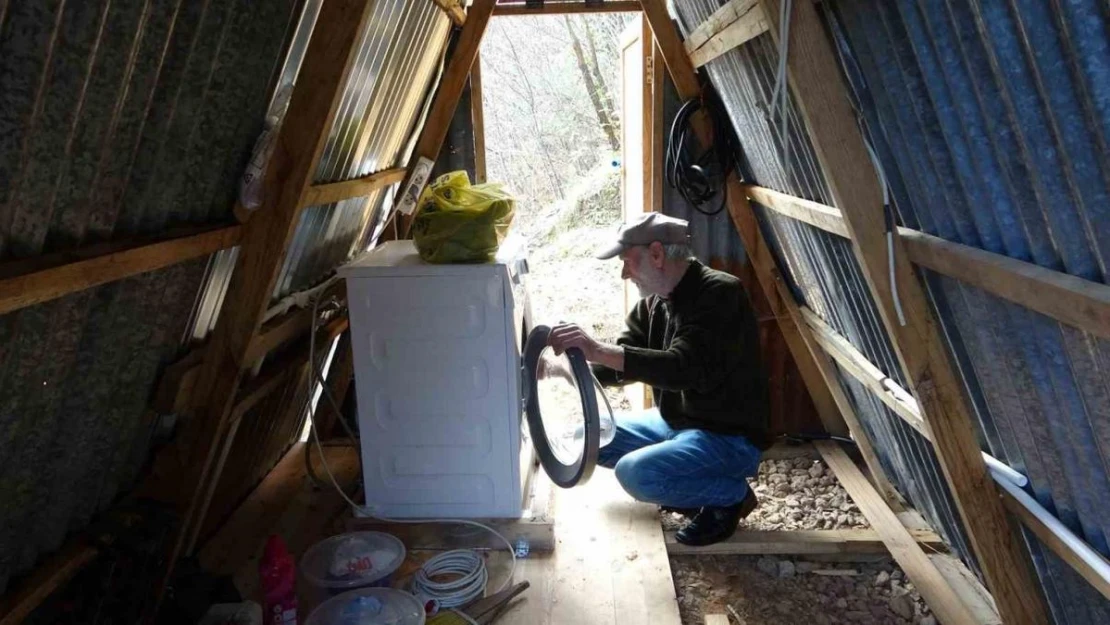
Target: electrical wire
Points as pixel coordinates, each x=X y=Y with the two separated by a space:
x=364 y=510
x=780 y=96
x=701 y=179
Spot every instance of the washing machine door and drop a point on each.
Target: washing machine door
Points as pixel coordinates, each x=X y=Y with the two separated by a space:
x=561 y=404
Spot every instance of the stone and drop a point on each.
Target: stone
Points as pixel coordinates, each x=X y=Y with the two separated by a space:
x=804 y=567
x=843 y=519
x=927 y=620
x=896 y=574
x=770 y=566
x=821 y=619
x=816 y=471
x=842 y=603
x=797 y=515
x=783 y=490
x=857 y=616
x=774 y=518
x=902 y=605
x=882 y=579
x=784 y=608
x=786 y=569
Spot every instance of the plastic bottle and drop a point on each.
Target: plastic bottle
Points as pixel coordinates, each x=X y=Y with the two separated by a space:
x=278 y=574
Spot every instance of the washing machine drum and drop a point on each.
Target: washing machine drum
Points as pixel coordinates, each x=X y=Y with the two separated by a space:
x=568 y=415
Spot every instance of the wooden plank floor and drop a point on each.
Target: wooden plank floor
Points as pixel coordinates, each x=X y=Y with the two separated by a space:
x=610 y=564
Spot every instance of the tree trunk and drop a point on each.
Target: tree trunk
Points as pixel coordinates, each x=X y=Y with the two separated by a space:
x=593 y=89
x=606 y=89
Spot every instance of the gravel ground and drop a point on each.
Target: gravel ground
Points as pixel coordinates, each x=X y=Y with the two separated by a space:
x=765 y=591
x=794 y=494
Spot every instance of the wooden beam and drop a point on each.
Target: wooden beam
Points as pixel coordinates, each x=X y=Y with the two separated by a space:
x=824 y=103
x=1066 y=298
x=1059 y=547
x=478 y=119
x=340 y=375
x=453 y=9
x=287 y=327
x=731 y=26
x=566 y=8
x=447 y=95
x=21 y=601
x=864 y=371
x=175 y=386
x=1071 y=300
x=716 y=619
x=332 y=192
x=27 y=282
x=940 y=596
x=815 y=214
x=802 y=542
x=238 y=538
x=303 y=135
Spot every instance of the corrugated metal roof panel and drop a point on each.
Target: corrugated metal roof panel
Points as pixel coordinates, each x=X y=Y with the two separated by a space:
x=991 y=122
x=116 y=118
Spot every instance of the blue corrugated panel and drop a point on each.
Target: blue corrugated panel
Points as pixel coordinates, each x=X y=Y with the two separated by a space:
x=991 y=121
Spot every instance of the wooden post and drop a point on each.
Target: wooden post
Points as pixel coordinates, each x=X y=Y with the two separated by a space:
x=478 y=119
x=265 y=238
x=823 y=100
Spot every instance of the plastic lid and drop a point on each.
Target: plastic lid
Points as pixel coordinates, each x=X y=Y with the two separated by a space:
x=352 y=560
x=369 y=606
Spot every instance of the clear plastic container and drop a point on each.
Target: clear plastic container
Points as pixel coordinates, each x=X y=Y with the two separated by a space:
x=349 y=561
x=369 y=606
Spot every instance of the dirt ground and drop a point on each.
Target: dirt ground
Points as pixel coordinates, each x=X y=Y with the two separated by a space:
x=795 y=494
x=766 y=591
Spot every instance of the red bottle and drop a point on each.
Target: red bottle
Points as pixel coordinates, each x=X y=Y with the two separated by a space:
x=279 y=576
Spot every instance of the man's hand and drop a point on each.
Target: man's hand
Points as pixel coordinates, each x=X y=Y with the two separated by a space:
x=566 y=336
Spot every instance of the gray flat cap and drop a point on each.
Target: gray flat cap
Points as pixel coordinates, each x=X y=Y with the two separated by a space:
x=645 y=230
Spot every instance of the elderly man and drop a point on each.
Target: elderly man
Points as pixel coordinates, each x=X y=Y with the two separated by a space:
x=693 y=338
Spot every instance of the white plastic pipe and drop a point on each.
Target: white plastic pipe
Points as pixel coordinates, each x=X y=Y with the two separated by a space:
x=1075 y=544
x=1002 y=470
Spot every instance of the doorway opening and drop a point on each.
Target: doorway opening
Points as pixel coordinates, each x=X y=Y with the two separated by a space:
x=563 y=124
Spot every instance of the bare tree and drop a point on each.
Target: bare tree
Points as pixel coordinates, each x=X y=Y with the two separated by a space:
x=596 y=91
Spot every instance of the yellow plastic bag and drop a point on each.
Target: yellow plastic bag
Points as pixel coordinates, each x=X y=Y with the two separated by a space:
x=459 y=223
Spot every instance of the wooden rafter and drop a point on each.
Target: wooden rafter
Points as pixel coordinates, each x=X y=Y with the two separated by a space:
x=729 y=27
x=1066 y=298
x=447 y=95
x=312 y=109
x=453 y=9
x=823 y=100
x=27 y=282
x=347 y=189
x=564 y=8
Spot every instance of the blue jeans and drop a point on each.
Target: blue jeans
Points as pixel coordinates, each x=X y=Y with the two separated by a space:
x=679 y=468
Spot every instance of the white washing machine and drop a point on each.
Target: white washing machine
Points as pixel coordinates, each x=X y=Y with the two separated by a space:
x=444 y=361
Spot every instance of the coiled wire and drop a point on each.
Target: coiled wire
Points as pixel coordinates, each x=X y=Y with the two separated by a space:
x=469 y=583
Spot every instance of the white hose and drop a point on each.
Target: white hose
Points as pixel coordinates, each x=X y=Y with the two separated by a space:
x=1098 y=565
x=468 y=570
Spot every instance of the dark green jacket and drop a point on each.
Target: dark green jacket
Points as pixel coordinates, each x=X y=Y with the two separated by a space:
x=699 y=351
